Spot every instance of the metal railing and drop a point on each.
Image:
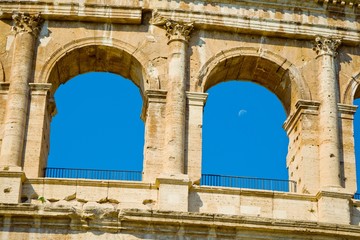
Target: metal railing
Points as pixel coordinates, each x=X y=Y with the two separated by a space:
x=92 y=174
x=248 y=182
x=357 y=196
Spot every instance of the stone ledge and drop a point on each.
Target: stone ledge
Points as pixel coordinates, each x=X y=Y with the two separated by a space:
x=74 y=12
x=254 y=192
x=204 y=19
x=92 y=183
x=12 y=174
x=135 y=221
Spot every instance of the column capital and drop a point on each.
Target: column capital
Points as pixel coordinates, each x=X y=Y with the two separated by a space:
x=326 y=46
x=24 y=22
x=175 y=30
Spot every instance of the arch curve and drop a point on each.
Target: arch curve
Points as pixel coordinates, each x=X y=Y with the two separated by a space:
x=261 y=66
x=99 y=54
x=352 y=90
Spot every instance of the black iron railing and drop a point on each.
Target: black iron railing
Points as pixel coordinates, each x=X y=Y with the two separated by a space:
x=357 y=196
x=92 y=174
x=248 y=182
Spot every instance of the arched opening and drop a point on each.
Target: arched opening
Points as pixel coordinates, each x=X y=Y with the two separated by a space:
x=284 y=82
x=97 y=128
x=74 y=59
x=243 y=134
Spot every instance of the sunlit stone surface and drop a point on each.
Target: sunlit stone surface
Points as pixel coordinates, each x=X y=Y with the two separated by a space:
x=305 y=52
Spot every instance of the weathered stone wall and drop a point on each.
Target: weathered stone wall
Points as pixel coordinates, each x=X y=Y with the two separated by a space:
x=305 y=52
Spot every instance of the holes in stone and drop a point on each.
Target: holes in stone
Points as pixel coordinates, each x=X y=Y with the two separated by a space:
x=332 y=155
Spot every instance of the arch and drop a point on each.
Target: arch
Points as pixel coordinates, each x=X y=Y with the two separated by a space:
x=255 y=64
x=352 y=90
x=133 y=64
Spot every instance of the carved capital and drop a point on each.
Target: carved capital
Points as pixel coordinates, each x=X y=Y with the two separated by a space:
x=326 y=46
x=24 y=22
x=175 y=30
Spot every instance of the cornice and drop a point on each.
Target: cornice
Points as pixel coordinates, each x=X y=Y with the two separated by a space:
x=63 y=219
x=302 y=20
x=69 y=11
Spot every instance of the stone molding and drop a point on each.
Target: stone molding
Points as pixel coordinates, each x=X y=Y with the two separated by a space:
x=196 y=98
x=302 y=107
x=350 y=3
x=341 y=194
x=40 y=87
x=175 y=30
x=132 y=14
x=326 y=46
x=92 y=183
x=74 y=11
x=253 y=192
x=12 y=174
x=347 y=111
x=24 y=22
x=156 y=95
x=152 y=96
x=162 y=223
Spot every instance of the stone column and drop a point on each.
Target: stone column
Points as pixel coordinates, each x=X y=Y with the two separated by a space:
x=178 y=35
x=173 y=184
x=26 y=28
x=329 y=141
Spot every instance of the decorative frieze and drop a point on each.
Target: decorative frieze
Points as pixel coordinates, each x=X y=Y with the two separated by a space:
x=326 y=46
x=24 y=22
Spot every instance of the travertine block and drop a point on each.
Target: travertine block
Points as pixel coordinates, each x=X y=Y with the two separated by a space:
x=11 y=186
x=173 y=193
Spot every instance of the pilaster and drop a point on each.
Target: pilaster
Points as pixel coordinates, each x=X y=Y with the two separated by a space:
x=193 y=156
x=348 y=162
x=302 y=158
x=329 y=131
x=154 y=116
x=38 y=131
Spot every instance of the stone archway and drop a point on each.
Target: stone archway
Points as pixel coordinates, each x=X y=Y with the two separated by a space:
x=93 y=54
x=276 y=74
x=75 y=58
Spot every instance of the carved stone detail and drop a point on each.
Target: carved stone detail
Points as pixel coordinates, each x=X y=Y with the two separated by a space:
x=175 y=30
x=24 y=22
x=326 y=45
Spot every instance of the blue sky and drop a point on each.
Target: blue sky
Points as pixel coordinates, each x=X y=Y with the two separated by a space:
x=98 y=126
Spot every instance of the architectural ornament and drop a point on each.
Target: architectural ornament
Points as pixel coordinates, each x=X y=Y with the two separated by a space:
x=174 y=29
x=25 y=22
x=326 y=45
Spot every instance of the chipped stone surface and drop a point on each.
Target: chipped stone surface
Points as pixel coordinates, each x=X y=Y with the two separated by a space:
x=305 y=52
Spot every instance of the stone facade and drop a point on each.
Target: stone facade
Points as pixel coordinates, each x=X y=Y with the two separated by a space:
x=305 y=52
